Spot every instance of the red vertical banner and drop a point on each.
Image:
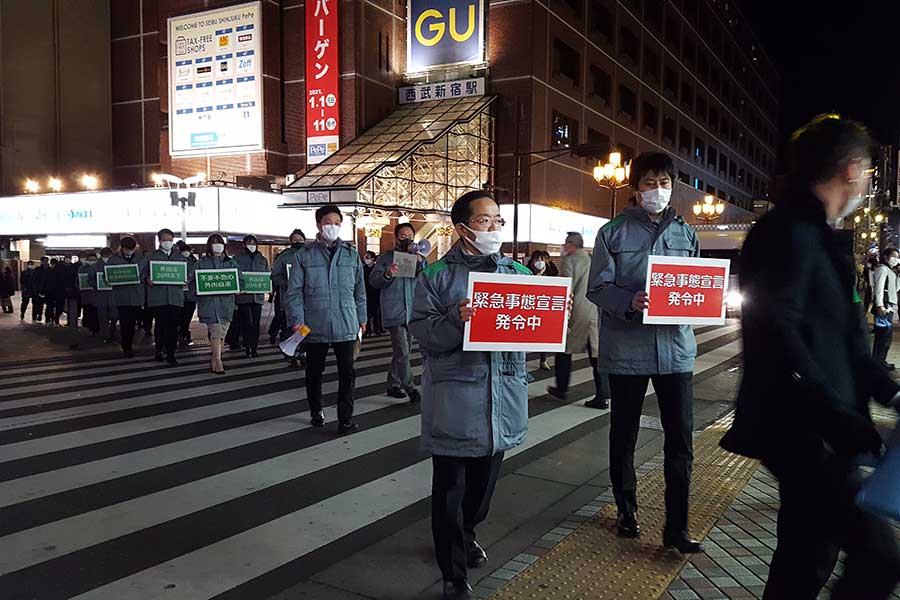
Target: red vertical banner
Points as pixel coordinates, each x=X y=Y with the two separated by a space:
x=323 y=74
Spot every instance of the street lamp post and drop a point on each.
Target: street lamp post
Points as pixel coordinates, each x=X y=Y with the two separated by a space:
x=709 y=209
x=176 y=184
x=612 y=176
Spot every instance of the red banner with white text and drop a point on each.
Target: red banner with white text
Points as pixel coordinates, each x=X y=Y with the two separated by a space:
x=323 y=78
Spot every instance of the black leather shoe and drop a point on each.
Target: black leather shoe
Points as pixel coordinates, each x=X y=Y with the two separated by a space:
x=627 y=526
x=890 y=366
x=557 y=393
x=396 y=392
x=681 y=542
x=414 y=395
x=158 y=357
x=597 y=403
x=476 y=557
x=348 y=427
x=173 y=362
x=254 y=353
x=317 y=419
x=457 y=590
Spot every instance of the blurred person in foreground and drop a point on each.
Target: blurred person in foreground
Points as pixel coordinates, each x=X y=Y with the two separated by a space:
x=802 y=408
x=474 y=404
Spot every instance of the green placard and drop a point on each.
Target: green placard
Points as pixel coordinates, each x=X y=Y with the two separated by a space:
x=84 y=281
x=256 y=283
x=101 y=282
x=122 y=274
x=164 y=272
x=217 y=281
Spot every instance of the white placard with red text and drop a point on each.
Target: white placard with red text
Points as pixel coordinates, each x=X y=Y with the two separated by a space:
x=686 y=291
x=517 y=313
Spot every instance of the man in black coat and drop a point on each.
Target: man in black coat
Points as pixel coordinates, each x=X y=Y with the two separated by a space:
x=39 y=284
x=808 y=377
x=26 y=283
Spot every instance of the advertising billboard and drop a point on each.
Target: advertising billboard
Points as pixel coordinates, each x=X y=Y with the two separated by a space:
x=323 y=78
x=444 y=32
x=215 y=81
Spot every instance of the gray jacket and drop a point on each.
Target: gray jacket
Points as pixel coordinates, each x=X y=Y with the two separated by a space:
x=128 y=295
x=162 y=294
x=327 y=292
x=189 y=291
x=396 y=292
x=255 y=263
x=215 y=308
x=618 y=272
x=102 y=298
x=88 y=294
x=473 y=403
x=279 y=268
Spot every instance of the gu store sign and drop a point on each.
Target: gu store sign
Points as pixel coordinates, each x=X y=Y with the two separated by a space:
x=443 y=33
x=322 y=80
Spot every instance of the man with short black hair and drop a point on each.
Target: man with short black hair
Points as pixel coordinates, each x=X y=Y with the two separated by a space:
x=396 y=310
x=165 y=301
x=130 y=298
x=803 y=403
x=634 y=353
x=327 y=293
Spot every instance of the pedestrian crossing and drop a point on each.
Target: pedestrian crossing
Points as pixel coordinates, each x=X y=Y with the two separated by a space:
x=129 y=479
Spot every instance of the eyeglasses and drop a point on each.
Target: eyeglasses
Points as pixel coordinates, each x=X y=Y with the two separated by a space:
x=488 y=221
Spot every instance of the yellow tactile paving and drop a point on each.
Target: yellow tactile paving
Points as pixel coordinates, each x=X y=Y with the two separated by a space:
x=593 y=564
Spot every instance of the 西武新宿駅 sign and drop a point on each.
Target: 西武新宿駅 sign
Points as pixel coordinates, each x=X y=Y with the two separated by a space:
x=442 y=90
x=215 y=81
x=444 y=32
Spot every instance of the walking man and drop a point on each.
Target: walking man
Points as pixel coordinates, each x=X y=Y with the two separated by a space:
x=26 y=284
x=396 y=310
x=165 y=301
x=104 y=298
x=884 y=306
x=129 y=298
x=40 y=282
x=250 y=305
x=634 y=353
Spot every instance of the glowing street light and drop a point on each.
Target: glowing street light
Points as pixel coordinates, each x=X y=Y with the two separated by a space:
x=612 y=175
x=709 y=209
x=90 y=182
x=879 y=218
x=55 y=184
x=32 y=186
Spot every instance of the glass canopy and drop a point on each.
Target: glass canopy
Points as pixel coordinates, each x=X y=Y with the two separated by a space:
x=421 y=158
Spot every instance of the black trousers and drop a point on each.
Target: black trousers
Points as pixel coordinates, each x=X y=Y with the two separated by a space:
x=881 y=343
x=249 y=317
x=184 y=320
x=564 y=375
x=817 y=518
x=165 y=334
x=128 y=318
x=461 y=492
x=37 y=309
x=89 y=317
x=24 y=306
x=676 y=398
x=315 y=366
x=233 y=336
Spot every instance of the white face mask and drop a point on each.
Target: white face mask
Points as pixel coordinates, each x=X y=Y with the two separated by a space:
x=128 y=253
x=331 y=232
x=167 y=246
x=369 y=262
x=539 y=265
x=893 y=262
x=655 y=201
x=251 y=247
x=218 y=248
x=186 y=254
x=486 y=242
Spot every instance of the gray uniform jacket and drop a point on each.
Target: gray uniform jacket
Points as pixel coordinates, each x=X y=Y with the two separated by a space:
x=190 y=294
x=396 y=292
x=279 y=269
x=162 y=294
x=215 y=308
x=255 y=263
x=102 y=298
x=128 y=295
x=327 y=292
x=88 y=294
x=618 y=272
x=583 y=328
x=474 y=404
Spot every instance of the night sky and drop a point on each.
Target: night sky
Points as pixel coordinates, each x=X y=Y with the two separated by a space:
x=833 y=57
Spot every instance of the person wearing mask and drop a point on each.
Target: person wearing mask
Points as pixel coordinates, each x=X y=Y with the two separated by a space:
x=215 y=310
x=808 y=378
x=129 y=299
x=633 y=354
x=327 y=293
x=104 y=300
x=41 y=274
x=87 y=294
x=540 y=264
x=278 y=329
x=250 y=305
x=70 y=304
x=56 y=292
x=26 y=284
x=396 y=309
x=164 y=300
x=583 y=326
x=474 y=404
x=7 y=290
x=884 y=306
x=190 y=297
x=373 y=296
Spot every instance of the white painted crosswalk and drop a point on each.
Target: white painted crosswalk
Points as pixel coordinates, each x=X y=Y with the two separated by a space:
x=137 y=481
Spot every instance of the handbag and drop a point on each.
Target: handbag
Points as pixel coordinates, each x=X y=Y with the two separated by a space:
x=880 y=493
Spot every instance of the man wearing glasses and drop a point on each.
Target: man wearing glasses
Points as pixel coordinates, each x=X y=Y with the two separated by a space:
x=474 y=404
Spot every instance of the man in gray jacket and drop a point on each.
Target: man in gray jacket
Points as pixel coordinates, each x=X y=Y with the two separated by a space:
x=634 y=353
x=475 y=404
x=129 y=299
x=327 y=293
x=165 y=301
x=396 y=310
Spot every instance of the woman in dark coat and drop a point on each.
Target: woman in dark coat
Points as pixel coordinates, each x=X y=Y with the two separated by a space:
x=373 y=298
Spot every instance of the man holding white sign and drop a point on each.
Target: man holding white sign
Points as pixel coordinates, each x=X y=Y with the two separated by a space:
x=634 y=353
